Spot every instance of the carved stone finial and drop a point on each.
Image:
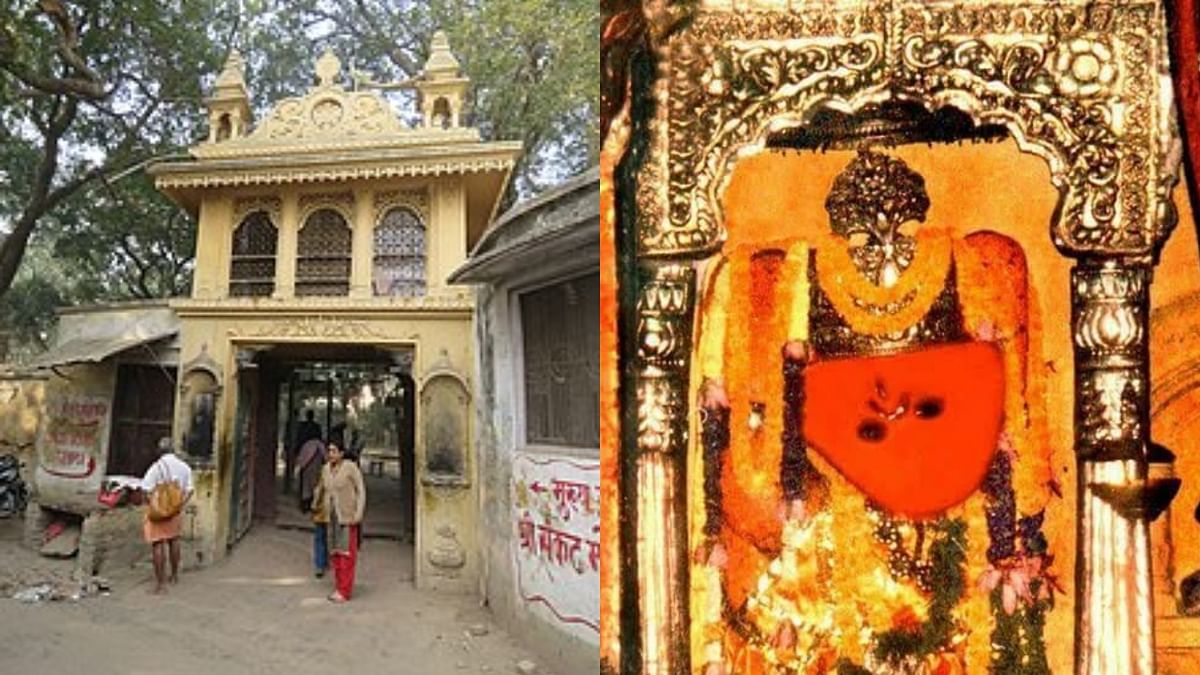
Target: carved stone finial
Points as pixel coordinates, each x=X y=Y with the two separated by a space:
x=329 y=67
x=229 y=106
x=441 y=64
x=233 y=74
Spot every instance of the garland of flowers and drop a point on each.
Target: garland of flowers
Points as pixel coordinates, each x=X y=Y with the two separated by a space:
x=714 y=436
x=877 y=310
x=1020 y=587
x=1016 y=547
x=773 y=276
x=948 y=555
x=805 y=559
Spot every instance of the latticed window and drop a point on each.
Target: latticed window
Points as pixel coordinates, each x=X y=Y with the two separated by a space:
x=252 y=264
x=323 y=255
x=399 y=254
x=560 y=325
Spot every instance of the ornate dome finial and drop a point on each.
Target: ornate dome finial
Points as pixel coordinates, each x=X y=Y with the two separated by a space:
x=441 y=64
x=233 y=73
x=329 y=67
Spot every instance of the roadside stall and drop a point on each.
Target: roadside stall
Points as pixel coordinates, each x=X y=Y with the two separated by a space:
x=109 y=397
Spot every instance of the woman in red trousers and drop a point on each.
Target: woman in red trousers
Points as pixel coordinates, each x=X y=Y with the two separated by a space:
x=345 y=500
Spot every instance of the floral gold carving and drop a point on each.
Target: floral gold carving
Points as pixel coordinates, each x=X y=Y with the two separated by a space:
x=1110 y=314
x=664 y=342
x=1078 y=85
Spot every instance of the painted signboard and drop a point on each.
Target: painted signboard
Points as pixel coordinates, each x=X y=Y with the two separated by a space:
x=71 y=450
x=74 y=433
x=556 y=543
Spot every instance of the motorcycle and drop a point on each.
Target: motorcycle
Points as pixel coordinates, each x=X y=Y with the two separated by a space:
x=14 y=494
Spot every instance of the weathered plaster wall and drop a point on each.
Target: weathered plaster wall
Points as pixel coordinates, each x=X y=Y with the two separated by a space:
x=498 y=356
x=20 y=414
x=568 y=643
x=112 y=540
x=72 y=445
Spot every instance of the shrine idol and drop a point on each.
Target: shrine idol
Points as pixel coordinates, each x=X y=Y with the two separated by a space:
x=874 y=474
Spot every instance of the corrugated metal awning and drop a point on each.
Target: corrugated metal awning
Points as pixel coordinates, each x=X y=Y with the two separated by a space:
x=89 y=349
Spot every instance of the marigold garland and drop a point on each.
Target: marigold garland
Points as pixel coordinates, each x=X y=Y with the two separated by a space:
x=876 y=310
x=865 y=600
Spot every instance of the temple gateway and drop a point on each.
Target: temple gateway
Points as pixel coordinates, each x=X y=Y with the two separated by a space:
x=354 y=281
x=326 y=232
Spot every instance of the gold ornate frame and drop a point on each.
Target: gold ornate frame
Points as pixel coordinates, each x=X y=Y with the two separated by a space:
x=1083 y=85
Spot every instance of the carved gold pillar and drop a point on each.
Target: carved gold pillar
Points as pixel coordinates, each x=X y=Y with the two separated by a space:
x=285 y=260
x=664 y=332
x=1117 y=499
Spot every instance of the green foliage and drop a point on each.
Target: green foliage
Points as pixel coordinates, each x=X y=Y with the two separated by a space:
x=88 y=92
x=948 y=554
x=128 y=240
x=1034 y=619
x=28 y=311
x=1018 y=640
x=1006 y=637
x=532 y=63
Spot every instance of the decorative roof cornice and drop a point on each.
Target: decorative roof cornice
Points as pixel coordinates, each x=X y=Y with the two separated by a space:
x=281 y=148
x=454 y=301
x=378 y=163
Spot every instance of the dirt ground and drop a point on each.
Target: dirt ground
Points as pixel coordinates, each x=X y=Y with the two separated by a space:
x=260 y=611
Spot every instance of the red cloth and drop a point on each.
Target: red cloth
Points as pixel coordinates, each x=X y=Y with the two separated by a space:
x=343 y=566
x=1183 y=38
x=916 y=431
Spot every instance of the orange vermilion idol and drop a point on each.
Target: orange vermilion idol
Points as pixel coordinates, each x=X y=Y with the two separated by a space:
x=916 y=431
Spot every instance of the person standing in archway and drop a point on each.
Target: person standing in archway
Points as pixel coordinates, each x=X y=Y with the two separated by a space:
x=306 y=431
x=308 y=466
x=344 y=499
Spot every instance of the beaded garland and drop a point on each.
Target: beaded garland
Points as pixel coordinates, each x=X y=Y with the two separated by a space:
x=901 y=563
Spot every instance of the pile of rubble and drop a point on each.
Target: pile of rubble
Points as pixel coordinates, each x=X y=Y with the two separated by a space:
x=37 y=586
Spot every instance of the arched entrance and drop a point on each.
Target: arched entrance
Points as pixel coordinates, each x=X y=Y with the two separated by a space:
x=360 y=396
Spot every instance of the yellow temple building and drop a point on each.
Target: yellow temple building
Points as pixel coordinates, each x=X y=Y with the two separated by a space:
x=353 y=281
x=326 y=232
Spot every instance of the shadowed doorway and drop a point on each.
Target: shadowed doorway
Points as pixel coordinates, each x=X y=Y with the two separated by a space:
x=359 y=395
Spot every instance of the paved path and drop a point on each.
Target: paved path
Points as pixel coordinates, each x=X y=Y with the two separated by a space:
x=259 y=612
